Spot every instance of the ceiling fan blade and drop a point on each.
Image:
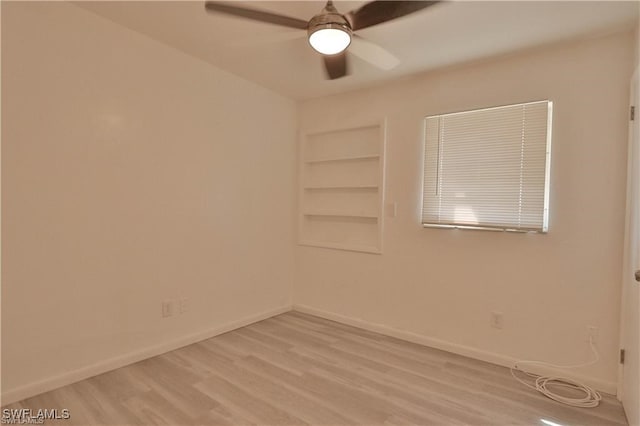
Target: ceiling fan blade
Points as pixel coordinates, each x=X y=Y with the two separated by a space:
x=372 y=53
x=255 y=14
x=335 y=65
x=377 y=12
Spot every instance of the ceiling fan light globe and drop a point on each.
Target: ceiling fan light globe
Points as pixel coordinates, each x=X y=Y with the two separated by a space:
x=329 y=41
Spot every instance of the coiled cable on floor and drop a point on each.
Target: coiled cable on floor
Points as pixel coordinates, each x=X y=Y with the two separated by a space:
x=542 y=384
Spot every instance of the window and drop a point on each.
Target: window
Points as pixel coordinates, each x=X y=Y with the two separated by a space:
x=488 y=168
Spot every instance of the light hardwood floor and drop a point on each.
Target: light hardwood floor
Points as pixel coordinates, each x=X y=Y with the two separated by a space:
x=297 y=369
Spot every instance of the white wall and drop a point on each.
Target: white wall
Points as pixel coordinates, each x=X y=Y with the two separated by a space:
x=636 y=48
x=131 y=173
x=441 y=285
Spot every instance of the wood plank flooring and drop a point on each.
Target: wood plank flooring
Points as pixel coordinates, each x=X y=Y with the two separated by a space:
x=297 y=369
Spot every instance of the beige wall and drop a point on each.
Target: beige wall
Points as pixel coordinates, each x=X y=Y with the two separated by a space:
x=443 y=284
x=636 y=47
x=131 y=173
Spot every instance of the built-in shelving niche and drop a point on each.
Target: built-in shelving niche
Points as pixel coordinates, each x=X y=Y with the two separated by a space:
x=341 y=188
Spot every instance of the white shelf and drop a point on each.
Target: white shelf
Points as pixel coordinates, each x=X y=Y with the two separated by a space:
x=340 y=246
x=344 y=158
x=342 y=214
x=343 y=187
x=341 y=181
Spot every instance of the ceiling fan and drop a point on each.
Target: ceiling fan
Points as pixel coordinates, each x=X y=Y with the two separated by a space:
x=330 y=33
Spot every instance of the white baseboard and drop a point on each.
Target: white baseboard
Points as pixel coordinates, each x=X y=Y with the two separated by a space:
x=35 y=388
x=491 y=357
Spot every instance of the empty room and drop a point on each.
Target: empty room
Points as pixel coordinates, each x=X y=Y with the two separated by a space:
x=320 y=213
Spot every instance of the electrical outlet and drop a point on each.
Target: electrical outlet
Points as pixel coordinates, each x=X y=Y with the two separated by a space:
x=167 y=308
x=184 y=305
x=592 y=334
x=497 y=320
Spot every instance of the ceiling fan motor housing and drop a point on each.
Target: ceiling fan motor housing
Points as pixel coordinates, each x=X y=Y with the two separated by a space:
x=329 y=19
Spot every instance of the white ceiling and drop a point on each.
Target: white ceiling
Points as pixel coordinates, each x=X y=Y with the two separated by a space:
x=280 y=58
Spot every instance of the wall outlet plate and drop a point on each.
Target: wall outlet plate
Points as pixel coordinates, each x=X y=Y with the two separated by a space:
x=497 y=320
x=167 y=308
x=183 y=305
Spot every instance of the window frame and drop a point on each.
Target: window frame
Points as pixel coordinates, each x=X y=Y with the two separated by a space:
x=547 y=174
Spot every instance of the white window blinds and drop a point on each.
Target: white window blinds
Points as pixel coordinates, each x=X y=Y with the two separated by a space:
x=488 y=168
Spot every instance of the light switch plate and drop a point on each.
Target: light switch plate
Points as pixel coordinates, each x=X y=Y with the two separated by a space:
x=392 y=209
